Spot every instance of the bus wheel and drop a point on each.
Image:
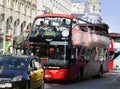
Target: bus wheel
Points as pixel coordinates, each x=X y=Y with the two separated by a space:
x=80 y=74
x=100 y=72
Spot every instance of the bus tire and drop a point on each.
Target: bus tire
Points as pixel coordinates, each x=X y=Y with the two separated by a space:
x=80 y=73
x=100 y=72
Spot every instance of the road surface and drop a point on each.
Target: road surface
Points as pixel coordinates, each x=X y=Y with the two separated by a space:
x=110 y=80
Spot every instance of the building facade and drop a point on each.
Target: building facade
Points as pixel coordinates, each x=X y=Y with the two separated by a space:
x=18 y=15
x=90 y=10
x=15 y=17
x=95 y=6
x=79 y=7
x=54 y=6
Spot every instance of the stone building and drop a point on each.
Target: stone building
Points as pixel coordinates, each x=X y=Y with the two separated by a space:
x=15 y=17
x=94 y=6
x=54 y=6
x=90 y=10
x=18 y=15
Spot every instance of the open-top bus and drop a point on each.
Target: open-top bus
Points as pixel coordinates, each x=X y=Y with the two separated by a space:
x=69 y=47
x=114 y=48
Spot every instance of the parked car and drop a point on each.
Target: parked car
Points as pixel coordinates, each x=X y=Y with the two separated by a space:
x=21 y=72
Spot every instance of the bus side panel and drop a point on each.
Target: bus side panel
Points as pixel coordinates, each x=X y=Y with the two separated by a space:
x=58 y=74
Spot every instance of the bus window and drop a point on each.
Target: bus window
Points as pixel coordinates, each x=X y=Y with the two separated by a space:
x=73 y=53
x=51 y=27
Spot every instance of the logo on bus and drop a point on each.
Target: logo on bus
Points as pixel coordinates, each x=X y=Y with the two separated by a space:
x=49 y=33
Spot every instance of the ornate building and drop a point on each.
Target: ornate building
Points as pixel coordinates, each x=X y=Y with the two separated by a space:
x=94 y=6
x=90 y=10
x=15 y=17
x=54 y=6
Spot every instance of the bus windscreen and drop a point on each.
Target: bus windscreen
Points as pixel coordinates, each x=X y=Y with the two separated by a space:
x=51 y=27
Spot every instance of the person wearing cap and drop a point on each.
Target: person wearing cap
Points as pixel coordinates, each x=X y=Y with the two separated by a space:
x=64 y=24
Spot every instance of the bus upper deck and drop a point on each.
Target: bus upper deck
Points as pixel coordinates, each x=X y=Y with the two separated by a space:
x=60 y=27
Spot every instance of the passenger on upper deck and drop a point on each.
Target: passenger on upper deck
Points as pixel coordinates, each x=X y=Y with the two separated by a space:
x=51 y=26
x=64 y=24
x=50 y=23
x=75 y=25
x=40 y=27
x=41 y=23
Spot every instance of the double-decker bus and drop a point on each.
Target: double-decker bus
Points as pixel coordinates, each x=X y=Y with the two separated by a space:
x=69 y=47
x=114 y=48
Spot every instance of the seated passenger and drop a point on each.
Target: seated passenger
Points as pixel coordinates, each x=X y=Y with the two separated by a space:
x=51 y=26
x=75 y=25
x=40 y=27
x=50 y=23
x=64 y=24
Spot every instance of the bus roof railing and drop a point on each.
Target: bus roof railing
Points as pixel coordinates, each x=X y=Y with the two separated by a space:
x=102 y=25
x=56 y=15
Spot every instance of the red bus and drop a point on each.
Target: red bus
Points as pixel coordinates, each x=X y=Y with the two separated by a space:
x=114 y=48
x=69 y=47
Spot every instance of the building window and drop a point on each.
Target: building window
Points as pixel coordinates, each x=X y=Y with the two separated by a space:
x=8 y=3
x=28 y=10
x=15 y=3
x=23 y=26
x=8 y=24
x=15 y=29
x=1 y=2
x=1 y=20
x=16 y=24
x=33 y=13
x=22 y=9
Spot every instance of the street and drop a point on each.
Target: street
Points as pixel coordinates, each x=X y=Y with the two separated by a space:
x=110 y=80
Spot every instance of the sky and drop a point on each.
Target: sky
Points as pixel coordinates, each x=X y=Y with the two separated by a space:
x=110 y=13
